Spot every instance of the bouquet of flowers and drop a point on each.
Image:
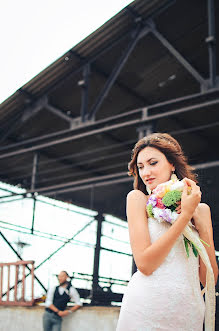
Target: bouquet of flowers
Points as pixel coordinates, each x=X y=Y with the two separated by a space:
x=162 y=206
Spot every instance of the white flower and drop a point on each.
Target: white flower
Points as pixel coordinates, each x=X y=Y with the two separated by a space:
x=157 y=213
x=174 y=216
x=177 y=186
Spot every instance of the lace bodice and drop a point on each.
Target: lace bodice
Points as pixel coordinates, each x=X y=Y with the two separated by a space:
x=176 y=266
x=168 y=299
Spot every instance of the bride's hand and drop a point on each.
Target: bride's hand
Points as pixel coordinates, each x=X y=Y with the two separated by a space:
x=178 y=208
x=189 y=202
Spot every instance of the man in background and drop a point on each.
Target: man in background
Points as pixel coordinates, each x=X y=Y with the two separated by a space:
x=56 y=303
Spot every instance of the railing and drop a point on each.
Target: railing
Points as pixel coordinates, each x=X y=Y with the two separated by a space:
x=15 y=268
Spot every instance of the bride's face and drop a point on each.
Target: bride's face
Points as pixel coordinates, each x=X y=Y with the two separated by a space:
x=153 y=167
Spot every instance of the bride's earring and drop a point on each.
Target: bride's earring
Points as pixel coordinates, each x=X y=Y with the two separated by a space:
x=173 y=176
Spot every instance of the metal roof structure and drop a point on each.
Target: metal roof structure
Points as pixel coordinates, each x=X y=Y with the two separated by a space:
x=69 y=132
x=74 y=124
x=151 y=67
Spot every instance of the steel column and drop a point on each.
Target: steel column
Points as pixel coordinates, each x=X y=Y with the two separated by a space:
x=211 y=41
x=33 y=185
x=95 y=286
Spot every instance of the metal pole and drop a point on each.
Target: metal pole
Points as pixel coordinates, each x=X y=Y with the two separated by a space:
x=211 y=41
x=33 y=184
x=95 y=285
x=33 y=216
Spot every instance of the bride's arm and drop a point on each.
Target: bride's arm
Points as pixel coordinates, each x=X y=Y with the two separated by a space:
x=149 y=256
x=202 y=219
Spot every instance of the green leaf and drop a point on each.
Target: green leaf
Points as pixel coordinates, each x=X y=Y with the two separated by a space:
x=150 y=210
x=195 y=251
x=186 y=246
x=204 y=242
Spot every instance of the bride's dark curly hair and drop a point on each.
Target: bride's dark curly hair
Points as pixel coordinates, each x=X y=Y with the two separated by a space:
x=169 y=146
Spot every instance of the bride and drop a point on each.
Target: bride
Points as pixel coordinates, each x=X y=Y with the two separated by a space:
x=165 y=292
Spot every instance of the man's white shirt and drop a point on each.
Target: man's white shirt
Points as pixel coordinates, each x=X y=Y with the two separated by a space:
x=72 y=292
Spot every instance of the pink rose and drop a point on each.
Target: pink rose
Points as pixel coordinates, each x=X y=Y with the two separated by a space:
x=160 y=190
x=160 y=204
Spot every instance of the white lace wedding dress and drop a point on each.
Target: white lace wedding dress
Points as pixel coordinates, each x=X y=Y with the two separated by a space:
x=170 y=298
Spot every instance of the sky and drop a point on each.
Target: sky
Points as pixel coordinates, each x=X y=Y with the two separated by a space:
x=36 y=33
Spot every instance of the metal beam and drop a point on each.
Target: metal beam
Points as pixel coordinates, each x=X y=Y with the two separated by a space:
x=110 y=128
x=77 y=186
x=18 y=122
x=11 y=126
x=27 y=109
x=144 y=133
x=37 y=279
x=113 y=179
x=89 y=186
x=34 y=171
x=65 y=243
x=33 y=186
x=84 y=84
x=77 y=165
x=178 y=56
x=95 y=285
x=67 y=157
x=101 y=72
x=58 y=112
x=211 y=41
x=87 y=125
x=206 y=165
x=117 y=69
x=112 y=44
x=16 y=199
x=77 y=182
x=21 y=117
x=123 y=178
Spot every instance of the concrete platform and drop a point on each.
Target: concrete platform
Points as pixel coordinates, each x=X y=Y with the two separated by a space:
x=85 y=319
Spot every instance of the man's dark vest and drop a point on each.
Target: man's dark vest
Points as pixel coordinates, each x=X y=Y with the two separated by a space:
x=60 y=301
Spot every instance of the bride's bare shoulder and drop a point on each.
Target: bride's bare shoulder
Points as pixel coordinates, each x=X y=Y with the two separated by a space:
x=136 y=195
